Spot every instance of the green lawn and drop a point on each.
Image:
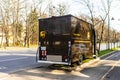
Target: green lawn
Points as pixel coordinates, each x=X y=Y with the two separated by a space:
x=107 y=51
x=104 y=52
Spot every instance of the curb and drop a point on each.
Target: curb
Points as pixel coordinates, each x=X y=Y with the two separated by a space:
x=106 y=55
x=101 y=57
x=94 y=61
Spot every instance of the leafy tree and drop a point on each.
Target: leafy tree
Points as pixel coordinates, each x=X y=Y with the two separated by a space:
x=32 y=27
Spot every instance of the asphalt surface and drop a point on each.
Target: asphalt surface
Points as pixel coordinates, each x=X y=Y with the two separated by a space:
x=114 y=72
x=104 y=69
x=13 y=60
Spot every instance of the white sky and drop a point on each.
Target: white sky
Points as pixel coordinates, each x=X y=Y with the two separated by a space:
x=77 y=9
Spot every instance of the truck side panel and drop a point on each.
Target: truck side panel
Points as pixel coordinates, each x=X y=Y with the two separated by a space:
x=83 y=35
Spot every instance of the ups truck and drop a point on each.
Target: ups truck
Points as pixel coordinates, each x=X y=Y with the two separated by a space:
x=65 y=40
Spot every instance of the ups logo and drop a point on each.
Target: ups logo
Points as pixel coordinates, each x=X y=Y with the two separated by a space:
x=42 y=34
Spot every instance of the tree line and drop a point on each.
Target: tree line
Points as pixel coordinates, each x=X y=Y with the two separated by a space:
x=19 y=20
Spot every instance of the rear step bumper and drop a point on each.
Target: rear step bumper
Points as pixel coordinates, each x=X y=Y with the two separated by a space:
x=51 y=62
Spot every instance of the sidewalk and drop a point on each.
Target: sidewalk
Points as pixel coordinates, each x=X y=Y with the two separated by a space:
x=2 y=75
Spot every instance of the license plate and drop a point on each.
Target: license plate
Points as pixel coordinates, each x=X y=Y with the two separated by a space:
x=43 y=48
x=54 y=58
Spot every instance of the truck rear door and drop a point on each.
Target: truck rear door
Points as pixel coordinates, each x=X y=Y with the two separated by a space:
x=54 y=41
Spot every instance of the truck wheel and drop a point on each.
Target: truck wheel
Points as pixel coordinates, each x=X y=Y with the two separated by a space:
x=80 y=60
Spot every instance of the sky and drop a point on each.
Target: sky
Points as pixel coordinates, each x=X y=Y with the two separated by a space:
x=77 y=9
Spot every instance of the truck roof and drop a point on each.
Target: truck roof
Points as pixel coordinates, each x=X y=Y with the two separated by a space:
x=69 y=15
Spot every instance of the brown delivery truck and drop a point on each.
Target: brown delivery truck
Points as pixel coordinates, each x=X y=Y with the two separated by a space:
x=65 y=40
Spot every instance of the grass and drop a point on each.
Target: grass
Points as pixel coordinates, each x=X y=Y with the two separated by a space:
x=107 y=51
x=87 y=60
x=103 y=52
x=118 y=48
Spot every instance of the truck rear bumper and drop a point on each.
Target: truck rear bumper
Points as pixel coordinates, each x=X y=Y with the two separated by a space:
x=51 y=62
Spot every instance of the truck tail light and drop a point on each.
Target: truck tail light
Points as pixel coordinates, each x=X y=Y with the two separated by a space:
x=44 y=53
x=65 y=57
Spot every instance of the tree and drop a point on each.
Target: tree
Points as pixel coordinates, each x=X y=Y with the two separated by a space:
x=16 y=22
x=58 y=9
x=33 y=25
x=61 y=9
x=17 y=17
x=106 y=9
x=5 y=21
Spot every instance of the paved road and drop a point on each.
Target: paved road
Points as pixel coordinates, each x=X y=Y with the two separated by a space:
x=114 y=72
x=12 y=60
x=105 y=69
